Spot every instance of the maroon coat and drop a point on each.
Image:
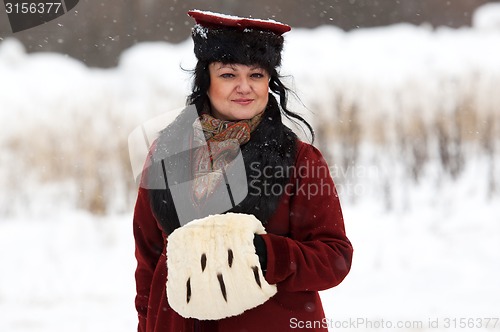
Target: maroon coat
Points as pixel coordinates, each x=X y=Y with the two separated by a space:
x=307 y=250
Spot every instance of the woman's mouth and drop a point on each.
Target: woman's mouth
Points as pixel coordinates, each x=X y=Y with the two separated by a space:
x=243 y=101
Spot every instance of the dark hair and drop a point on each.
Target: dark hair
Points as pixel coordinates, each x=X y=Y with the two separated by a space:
x=201 y=84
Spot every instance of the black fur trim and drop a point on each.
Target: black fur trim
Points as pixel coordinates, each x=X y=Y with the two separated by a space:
x=272 y=145
x=247 y=47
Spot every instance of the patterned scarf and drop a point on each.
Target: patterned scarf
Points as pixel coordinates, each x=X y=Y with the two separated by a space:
x=223 y=139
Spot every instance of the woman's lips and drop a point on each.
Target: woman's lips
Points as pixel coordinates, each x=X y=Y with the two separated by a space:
x=243 y=101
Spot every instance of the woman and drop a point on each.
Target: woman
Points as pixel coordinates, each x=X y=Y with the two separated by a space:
x=258 y=262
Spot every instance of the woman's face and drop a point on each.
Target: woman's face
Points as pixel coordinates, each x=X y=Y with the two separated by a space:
x=237 y=92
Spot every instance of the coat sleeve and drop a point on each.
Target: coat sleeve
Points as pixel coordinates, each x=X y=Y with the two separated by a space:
x=316 y=254
x=148 y=248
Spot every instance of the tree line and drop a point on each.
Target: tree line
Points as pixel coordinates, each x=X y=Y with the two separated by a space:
x=97 y=32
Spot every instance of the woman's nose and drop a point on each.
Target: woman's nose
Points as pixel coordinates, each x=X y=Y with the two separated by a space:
x=243 y=85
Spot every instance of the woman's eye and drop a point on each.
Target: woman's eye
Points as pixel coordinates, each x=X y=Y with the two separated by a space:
x=257 y=75
x=226 y=75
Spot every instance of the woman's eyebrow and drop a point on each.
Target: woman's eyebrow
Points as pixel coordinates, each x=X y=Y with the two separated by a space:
x=226 y=66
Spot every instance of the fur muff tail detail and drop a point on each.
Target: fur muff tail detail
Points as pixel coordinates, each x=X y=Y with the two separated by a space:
x=213 y=270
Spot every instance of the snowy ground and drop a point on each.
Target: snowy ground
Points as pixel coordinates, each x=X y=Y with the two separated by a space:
x=73 y=272
x=432 y=261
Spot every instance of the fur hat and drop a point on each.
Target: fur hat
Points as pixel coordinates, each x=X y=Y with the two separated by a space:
x=232 y=39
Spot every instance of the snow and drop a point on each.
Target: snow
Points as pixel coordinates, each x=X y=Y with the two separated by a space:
x=70 y=272
x=233 y=17
x=200 y=30
x=487 y=17
x=432 y=256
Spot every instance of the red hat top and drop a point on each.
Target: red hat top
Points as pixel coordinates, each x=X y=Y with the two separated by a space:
x=215 y=20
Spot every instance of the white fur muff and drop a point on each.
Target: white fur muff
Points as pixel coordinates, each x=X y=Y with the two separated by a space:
x=213 y=270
